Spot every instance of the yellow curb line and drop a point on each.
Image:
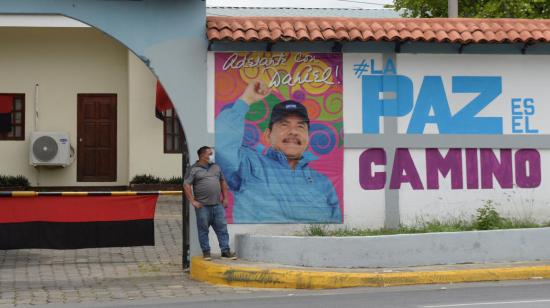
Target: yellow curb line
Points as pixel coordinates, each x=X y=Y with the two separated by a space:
x=240 y=276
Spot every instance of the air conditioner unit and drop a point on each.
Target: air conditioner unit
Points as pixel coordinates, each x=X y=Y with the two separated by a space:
x=51 y=149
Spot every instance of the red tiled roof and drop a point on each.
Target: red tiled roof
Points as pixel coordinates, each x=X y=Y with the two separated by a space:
x=454 y=30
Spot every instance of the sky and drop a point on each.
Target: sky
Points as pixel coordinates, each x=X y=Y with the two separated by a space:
x=363 y=4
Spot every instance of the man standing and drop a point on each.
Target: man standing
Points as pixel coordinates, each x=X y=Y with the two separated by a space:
x=204 y=185
x=277 y=186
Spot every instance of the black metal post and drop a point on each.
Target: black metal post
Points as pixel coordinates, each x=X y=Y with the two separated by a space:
x=185 y=261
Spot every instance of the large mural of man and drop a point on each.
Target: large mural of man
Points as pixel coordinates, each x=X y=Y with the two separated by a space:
x=265 y=138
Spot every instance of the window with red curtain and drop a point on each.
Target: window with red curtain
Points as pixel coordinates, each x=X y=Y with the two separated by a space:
x=173 y=133
x=12 y=116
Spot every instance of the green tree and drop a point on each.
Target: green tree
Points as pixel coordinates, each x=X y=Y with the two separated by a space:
x=475 y=8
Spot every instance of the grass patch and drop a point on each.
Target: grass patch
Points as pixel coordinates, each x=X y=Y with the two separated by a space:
x=428 y=227
x=487 y=218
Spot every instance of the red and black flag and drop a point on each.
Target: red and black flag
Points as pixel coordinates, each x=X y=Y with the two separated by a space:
x=6 y=108
x=74 y=222
x=162 y=101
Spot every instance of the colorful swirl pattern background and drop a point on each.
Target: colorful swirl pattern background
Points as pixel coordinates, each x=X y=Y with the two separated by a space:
x=322 y=100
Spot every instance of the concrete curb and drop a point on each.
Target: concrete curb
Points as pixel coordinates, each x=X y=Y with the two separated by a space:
x=400 y=250
x=242 y=276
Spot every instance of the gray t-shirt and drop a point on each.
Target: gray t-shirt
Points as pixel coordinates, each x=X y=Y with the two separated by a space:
x=206 y=183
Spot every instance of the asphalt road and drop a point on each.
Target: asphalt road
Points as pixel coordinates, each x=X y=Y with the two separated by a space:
x=518 y=294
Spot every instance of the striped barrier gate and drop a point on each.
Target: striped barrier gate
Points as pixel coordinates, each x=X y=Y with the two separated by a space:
x=87 y=193
x=73 y=220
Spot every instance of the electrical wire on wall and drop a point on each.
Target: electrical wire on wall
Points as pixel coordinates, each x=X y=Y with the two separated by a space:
x=35 y=128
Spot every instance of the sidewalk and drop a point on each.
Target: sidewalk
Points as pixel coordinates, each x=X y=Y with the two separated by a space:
x=41 y=276
x=268 y=275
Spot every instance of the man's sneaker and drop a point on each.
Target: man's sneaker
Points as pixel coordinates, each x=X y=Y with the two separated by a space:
x=229 y=255
x=206 y=256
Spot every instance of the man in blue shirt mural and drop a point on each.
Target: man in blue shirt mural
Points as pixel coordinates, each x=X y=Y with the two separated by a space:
x=277 y=186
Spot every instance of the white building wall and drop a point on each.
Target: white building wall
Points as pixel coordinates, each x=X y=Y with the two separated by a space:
x=362 y=208
x=522 y=77
x=366 y=208
x=146 y=154
x=62 y=62
x=447 y=204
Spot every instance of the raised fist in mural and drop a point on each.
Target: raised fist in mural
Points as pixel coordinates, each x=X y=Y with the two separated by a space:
x=255 y=91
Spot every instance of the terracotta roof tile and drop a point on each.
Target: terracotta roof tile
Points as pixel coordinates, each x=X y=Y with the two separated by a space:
x=425 y=26
x=261 y=25
x=467 y=37
x=376 y=27
x=362 y=26
x=350 y=24
x=537 y=35
x=329 y=34
x=484 y=27
x=272 y=25
x=289 y=33
x=236 y=26
x=455 y=30
x=264 y=35
x=355 y=34
x=495 y=26
x=437 y=27
x=325 y=25
x=367 y=35
x=513 y=35
x=447 y=26
x=526 y=36
x=488 y=36
x=302 y=34
x=393 y=34
x=417 y=34
x=441 y=36
x=276 y=34
x=299 y=25
x=239 y=35
x=251 y=35
x=501 y=36
x=429 y=35
x=222 y=24
x=312 y=26
x=479 y=36
x=315 y=35
x=454 y=36
x=226 y=34
x=405 y=34
x=339 y=26
x=249 y=25
x=507 y=26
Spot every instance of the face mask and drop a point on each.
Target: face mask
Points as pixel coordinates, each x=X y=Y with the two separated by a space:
x=211 y=159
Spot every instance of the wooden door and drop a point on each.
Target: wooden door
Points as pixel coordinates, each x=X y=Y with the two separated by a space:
x=97 y=138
